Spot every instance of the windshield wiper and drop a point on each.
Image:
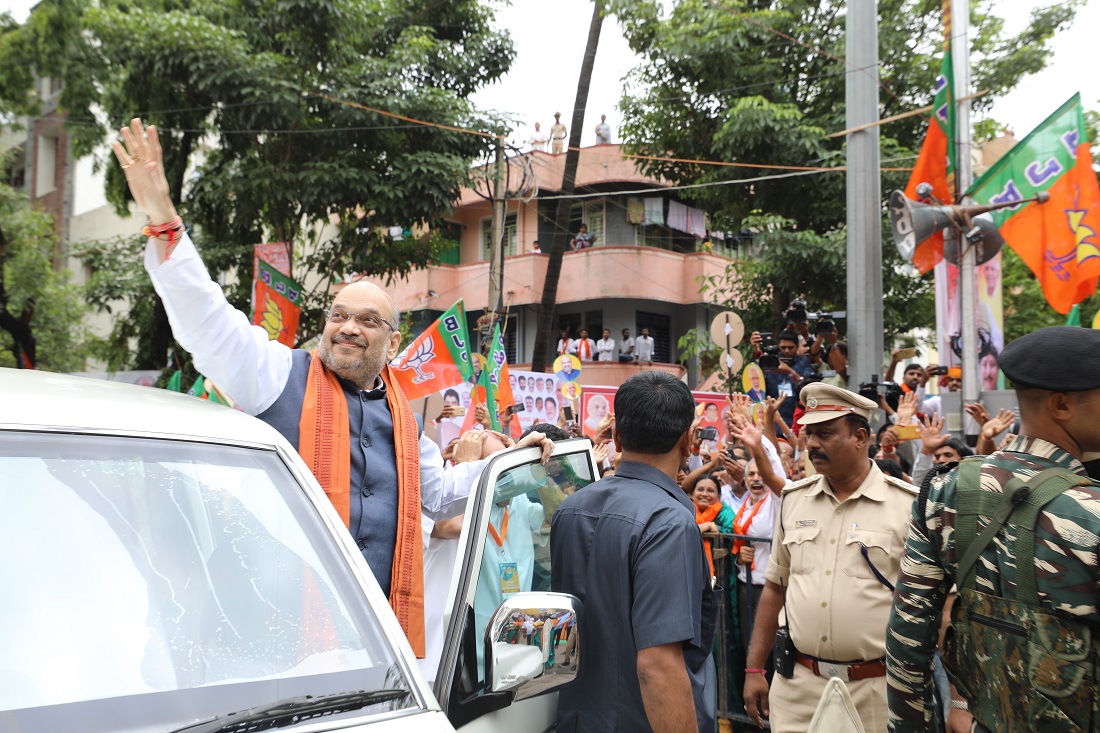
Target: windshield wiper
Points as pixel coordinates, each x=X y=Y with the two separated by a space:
x=292 y=711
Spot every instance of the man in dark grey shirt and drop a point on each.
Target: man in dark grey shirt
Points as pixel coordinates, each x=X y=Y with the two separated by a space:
x=629 y=548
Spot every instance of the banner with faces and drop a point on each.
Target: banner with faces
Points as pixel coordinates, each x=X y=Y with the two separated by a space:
x=538 y=392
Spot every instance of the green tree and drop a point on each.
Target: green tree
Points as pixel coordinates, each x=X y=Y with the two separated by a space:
x=41 y=316
x=762 y=83
x=265 y=112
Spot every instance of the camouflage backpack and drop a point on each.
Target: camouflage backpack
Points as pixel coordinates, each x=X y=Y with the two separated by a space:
x=1021 y=667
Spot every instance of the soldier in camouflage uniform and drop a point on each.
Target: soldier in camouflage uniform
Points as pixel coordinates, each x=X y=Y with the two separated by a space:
x=1022 y=646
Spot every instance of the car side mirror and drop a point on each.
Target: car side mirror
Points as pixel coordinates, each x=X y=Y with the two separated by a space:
x=532 y=644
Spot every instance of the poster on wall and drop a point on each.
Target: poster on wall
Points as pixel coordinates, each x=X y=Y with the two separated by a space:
x=712 y=407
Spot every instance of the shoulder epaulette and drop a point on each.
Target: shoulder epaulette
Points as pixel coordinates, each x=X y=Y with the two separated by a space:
x=905 y=485
x=808 y=481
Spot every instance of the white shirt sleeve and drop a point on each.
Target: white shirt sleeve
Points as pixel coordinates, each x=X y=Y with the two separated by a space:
x=921 y=466
x=238 y=356
x=443 y=493
x=773 y=459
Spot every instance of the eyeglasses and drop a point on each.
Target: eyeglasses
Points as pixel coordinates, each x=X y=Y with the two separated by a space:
x=366 y=320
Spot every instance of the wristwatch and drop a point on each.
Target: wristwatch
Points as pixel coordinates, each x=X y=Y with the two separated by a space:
x=959 y=705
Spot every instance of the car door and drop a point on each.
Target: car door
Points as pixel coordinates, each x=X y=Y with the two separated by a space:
x=504 y=558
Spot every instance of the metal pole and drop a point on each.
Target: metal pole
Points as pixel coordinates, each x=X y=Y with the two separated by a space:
x=496 y=247
x=864 y=194
x=964 y=175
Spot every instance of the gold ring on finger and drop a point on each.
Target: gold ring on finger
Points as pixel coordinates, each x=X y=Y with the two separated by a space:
x=128 y=165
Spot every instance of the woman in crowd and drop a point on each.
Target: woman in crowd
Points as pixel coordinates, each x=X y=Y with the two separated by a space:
x=710 y=513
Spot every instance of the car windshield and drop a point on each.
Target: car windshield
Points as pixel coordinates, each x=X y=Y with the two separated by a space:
x=175 y=580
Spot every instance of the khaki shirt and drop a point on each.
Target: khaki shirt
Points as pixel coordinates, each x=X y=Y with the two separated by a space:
x=836 y=608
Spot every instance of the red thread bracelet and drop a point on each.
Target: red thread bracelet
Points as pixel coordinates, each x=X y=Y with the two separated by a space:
x=172 y=229
x=755 y=671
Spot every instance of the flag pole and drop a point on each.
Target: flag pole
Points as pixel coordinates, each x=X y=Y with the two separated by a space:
x=964 y=176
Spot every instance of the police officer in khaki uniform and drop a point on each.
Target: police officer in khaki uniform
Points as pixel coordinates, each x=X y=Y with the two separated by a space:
x=837 y=545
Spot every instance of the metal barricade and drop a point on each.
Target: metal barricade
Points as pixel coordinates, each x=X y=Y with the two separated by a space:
x=729 y=656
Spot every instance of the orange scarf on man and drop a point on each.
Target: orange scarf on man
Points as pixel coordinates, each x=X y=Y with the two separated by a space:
x=325 y=445
x=742 y=526
x=702 y=516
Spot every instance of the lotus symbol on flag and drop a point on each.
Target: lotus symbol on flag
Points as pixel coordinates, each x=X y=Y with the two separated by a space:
x=423 y=354
x=272 y=321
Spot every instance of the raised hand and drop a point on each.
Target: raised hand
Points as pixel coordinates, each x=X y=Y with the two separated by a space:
x=603 y=430
x=932 y=435
x=735 y=470
x=977 y=411
x=748 y=434
x=141 y=158
x=907 y=408
x=994 y=426
x=481 y=414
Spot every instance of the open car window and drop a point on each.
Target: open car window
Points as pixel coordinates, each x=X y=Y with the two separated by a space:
x=507 y=551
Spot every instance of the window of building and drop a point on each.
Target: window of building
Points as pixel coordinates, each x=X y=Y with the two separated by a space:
x=590 y=213
x=511 y=338
x=659 y=328
x=510 y=236
x=651 y=235
x=452 y=232
x=45 y=170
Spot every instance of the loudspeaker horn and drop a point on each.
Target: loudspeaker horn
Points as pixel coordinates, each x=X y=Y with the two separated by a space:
x=913 y=222
x=985 y=237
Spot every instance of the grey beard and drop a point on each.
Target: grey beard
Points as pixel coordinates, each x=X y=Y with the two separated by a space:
x=363 y=370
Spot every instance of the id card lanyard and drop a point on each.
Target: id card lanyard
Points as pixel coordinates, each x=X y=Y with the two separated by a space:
x=499 y=538
x=509 y=571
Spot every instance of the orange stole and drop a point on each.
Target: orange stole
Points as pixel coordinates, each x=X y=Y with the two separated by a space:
x=702 y=516
x=325 y=445
x=740 y=527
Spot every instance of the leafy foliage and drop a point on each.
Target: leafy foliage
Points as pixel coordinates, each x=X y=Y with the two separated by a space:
x=717 y=84
x=265 y=110
x=39 y=309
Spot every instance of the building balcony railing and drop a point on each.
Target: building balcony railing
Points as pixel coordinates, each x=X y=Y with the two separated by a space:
x=645 y=273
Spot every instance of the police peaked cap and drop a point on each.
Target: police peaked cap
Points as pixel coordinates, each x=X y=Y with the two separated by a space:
x=1056 y=358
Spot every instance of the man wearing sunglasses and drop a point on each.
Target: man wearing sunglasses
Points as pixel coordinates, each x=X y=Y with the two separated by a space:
x=338 y=404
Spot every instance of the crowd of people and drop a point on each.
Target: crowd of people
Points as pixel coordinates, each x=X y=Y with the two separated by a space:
x=846 y=569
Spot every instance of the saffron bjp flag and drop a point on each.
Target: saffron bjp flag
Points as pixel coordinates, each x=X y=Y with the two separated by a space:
x=438 y=358
x=1057 y=239
x=276 y=300
x=936 y=163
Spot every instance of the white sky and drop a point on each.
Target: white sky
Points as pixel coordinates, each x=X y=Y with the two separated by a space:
x=550 y=39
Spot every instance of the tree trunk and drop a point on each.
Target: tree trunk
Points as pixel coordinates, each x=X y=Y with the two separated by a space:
x=544 y=334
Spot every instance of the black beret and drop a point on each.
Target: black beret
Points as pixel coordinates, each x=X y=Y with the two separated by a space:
x=1056 y=358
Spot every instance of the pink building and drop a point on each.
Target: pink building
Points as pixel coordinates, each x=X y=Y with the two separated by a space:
x=643 y=271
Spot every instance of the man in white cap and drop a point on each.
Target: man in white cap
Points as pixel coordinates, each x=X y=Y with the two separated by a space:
x=837 y=547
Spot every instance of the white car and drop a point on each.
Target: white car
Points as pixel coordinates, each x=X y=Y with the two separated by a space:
x=172 y=565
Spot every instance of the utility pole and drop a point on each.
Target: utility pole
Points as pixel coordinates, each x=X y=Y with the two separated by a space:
x=864 y=194
x=964 y=176
x=495 y=305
